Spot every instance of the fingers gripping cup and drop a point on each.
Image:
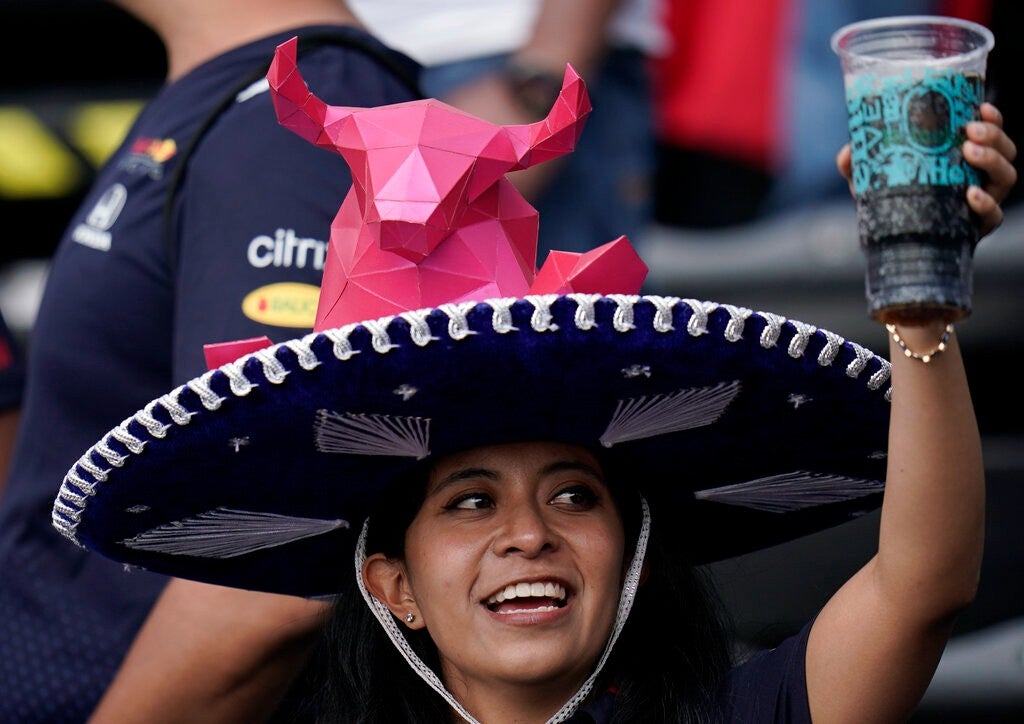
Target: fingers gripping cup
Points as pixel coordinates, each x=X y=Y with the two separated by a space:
x=912 y=84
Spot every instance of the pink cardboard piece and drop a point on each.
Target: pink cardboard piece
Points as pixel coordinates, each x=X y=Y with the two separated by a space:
x=220 y=353
x=612 y=268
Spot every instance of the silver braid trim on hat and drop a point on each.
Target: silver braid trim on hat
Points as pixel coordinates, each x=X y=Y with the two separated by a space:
x=419 y=330
x=798 y=345
x=501 y=315
x=379 y=338
x=772 y=329
x=630 y=585
x=622 y=319
x=542 y=320
x=861 y=358
x=738 y=317
x=201 y=386
x=342 y=348
x=239 y=383
x=153 y=426
x=833 y=343
x=699 y=311
x=585 y=317
x=458 y=325
x=306 y=357
x=80 y=482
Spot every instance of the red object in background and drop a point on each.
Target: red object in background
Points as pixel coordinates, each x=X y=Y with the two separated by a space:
x=720 y=88
x=978 y=11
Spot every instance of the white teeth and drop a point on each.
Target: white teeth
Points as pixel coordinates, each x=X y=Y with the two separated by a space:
x=526 y=590
x=530 y=610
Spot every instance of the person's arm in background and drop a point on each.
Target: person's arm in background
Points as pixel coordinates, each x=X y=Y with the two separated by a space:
x=9 y=420
x=209 y=653
x=565 y=31
x=874 y=647
x=12 y=384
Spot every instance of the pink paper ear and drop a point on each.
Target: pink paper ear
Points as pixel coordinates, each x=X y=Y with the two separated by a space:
x=220 y=353
x=612 y=268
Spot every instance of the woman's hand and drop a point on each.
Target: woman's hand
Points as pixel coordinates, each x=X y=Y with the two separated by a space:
x=988 y=149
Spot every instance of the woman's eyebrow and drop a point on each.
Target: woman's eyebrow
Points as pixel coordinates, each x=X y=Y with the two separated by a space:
x=464 y=474
x=558 y=466
x=573 y=466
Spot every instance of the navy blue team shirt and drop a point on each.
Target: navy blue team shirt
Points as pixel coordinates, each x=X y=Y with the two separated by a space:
x=124 y=318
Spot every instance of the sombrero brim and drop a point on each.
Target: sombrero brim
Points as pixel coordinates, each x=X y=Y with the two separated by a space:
x=747 y=429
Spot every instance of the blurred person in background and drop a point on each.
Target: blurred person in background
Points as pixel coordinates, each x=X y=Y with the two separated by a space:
x=12 y=382
x=504 y=62
x=749 y=104
x=209 y=223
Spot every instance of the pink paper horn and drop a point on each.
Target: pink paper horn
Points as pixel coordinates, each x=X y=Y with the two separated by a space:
x=557 y=134
x=295 y=105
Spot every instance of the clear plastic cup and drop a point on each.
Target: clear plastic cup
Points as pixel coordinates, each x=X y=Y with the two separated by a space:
x=912 y=84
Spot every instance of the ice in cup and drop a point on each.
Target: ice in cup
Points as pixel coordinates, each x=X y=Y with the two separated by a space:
x=912 y=84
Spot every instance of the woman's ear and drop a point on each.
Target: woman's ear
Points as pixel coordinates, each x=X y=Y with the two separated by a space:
x=387 y=581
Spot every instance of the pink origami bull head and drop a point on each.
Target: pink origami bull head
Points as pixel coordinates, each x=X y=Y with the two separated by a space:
x=431 y=217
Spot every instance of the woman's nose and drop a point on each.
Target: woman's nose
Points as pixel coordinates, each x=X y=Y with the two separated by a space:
x=525 y=530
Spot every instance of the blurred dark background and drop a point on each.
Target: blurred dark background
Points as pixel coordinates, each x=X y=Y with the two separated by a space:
x=77 y=71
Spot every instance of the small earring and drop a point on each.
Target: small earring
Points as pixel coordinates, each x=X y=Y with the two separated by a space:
x=410 y=617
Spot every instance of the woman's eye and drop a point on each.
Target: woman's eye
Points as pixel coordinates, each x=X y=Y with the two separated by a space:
x=577 y=495
x=471 y=501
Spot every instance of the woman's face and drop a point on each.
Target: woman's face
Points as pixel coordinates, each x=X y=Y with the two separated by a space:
x=515 y=563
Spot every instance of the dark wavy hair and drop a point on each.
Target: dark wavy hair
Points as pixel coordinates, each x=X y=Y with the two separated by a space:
x=666 y=665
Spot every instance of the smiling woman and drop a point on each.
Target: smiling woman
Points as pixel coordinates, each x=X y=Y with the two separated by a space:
x=519 y=563
x=510 y=521
x=506 y=477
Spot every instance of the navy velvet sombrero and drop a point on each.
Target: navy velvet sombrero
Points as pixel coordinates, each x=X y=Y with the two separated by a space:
x=747 y=429
x=743 y=429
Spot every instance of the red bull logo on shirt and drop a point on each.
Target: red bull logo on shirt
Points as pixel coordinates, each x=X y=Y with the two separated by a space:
x=148 y=156
x=159 y=149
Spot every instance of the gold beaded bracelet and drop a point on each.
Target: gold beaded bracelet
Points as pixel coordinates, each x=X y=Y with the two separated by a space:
x=927 y=357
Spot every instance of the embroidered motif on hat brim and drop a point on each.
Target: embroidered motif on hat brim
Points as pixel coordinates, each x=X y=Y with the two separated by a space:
x=642 y=417
x=356 y=434
x=226 y=533
x=787 y=492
